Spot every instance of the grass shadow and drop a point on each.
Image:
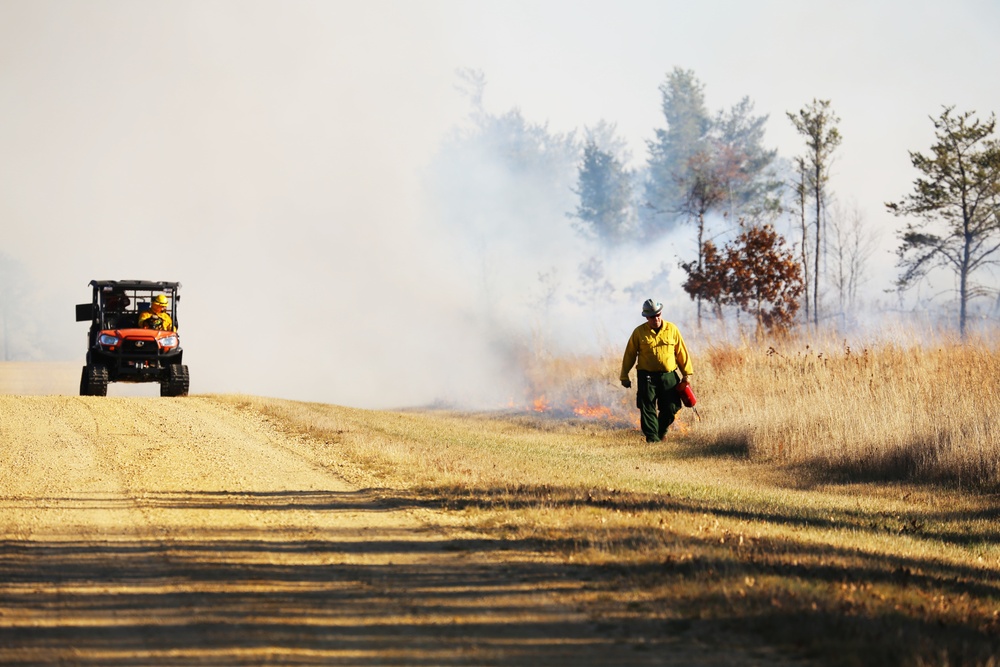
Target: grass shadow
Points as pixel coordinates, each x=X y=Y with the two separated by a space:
x=327 y=596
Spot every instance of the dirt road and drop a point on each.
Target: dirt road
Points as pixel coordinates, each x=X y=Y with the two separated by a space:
x=147 y=531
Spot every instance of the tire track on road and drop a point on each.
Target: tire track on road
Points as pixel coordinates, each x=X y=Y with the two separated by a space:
x=191 y=531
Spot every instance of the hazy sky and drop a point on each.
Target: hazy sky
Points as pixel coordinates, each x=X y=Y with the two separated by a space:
x=269 y=155
x=886 y=66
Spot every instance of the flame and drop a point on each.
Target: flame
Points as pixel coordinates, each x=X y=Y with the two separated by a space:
x=584 y=409
x=580 y=407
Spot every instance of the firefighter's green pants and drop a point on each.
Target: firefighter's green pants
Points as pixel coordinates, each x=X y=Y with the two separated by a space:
x=657 y=394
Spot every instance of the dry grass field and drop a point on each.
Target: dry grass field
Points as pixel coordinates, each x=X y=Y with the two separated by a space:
x=891 y=412
x=894 y=411
x=836 y=504
x=833 y=505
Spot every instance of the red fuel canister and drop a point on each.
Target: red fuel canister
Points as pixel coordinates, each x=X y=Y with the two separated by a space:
x=687 y=395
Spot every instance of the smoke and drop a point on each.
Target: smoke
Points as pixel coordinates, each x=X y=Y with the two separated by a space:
x=268 y=160
x=296 y=166
x=290 y=168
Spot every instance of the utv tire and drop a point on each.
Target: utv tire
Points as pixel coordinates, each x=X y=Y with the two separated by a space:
x=94 y=381
x=177 y=382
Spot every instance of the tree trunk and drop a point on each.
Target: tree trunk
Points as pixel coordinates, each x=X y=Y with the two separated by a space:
x=963 y=278
x=701 y=254
x=819 y=235
x=805 y=238
x=760 y=317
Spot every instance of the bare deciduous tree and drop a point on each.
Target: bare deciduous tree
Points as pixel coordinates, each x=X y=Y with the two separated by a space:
x=818 y=124
x=853 y=243
x=801 y=187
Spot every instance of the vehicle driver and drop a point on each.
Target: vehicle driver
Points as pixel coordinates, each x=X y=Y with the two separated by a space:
x=117 y=301
x=157 y=317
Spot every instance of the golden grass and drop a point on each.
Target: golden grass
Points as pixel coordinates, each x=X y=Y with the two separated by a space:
x=917 y=410
x=833 y=503
x=921 y=412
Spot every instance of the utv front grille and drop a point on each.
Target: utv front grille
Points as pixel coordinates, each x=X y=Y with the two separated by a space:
x=140 y=347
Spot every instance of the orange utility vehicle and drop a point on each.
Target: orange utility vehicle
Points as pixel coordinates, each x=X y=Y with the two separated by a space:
x=130 y=340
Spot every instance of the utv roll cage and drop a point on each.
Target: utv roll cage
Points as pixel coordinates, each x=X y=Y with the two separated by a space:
x=105 y=313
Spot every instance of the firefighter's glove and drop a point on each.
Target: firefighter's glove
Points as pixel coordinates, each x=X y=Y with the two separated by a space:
x=627 y=383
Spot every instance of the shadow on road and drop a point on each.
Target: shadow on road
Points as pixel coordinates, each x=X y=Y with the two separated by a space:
x=388 y=596
x=212 y=595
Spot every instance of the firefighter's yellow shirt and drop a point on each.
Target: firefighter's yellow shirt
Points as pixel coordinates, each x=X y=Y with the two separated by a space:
x=166 y=323
x=656 y=351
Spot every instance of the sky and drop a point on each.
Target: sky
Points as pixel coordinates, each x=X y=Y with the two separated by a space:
x=272 y=156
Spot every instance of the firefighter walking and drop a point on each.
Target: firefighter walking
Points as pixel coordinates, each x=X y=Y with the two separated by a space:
x=657 y=349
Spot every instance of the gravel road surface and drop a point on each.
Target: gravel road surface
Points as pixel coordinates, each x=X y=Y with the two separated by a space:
x=149 y=531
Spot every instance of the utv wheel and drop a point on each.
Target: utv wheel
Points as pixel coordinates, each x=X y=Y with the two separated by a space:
x=177 y=382
x=94 y=381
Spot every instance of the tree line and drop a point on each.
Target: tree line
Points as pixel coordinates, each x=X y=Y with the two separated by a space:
x=711 y=172
x=701 y=164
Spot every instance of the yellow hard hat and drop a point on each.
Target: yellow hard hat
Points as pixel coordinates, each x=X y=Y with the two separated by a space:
x=160 y=300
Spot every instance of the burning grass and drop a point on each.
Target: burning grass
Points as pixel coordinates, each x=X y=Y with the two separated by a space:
x=916 y=411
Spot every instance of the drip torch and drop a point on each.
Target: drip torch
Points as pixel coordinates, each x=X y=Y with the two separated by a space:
x=688 y=397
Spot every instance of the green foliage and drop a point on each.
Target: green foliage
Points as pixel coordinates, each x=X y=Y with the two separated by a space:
x=503 y=175
x=604 y=186
x=671 y=150
x=699 y=164
x=705 y=184
x=956 y=199
x=818 y=124
x=754 y=186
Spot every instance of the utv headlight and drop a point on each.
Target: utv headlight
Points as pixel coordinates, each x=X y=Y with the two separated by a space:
x=169 y=341
x=107 y=340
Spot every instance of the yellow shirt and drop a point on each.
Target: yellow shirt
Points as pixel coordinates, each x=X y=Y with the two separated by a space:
x=166 y=324
x=656 y=351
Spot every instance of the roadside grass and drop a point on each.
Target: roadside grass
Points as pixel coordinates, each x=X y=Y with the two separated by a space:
x=911 y=410
x=812 y=543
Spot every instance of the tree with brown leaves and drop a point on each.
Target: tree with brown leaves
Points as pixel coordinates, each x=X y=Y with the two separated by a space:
x=755 y=273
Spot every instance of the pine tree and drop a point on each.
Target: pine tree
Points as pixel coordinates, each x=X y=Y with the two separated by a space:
x=604 y=186
x=957 y=199
x=672 y=149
